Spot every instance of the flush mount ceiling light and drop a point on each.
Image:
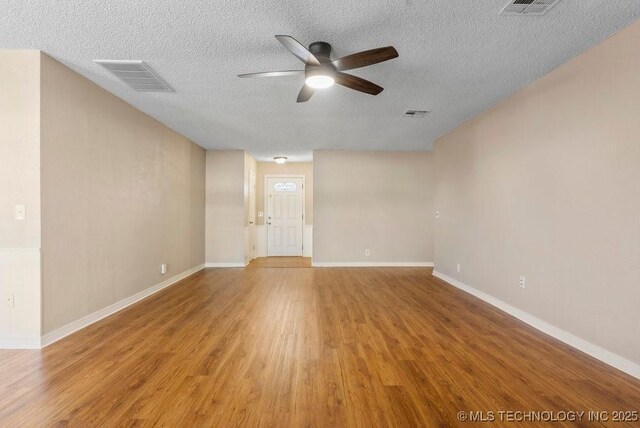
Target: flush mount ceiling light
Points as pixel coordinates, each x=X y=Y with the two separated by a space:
x=280 y=159
x=319 y=79
x=321 y=71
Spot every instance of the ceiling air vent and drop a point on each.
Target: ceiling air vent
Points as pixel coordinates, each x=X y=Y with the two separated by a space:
x=528 y=7
x=415 y=113
x=136 y=74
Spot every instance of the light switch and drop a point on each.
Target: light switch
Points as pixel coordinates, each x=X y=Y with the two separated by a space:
x=20 y=212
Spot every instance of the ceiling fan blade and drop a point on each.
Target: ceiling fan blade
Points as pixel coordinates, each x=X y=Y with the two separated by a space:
x=305 y=93
x=296 y=48
x=357 y=83
x=362 y=59
x=272 y=73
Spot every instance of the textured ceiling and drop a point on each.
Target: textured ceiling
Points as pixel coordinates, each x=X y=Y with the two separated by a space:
x=456 y=59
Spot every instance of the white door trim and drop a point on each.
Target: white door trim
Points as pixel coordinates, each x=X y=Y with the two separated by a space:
x=266 y=200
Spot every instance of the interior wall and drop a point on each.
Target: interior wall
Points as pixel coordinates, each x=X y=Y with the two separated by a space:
x=381 y=201
x=19 y=147
x=250 y=164
x=547 y=185
x=20 y=185
x=121 y=194
x=225 y=207
x=290 y=168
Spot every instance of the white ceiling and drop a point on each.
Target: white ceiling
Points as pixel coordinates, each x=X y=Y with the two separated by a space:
x=457 y=57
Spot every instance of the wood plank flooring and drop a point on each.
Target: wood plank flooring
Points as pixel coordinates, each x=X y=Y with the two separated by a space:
x=280 y=262
x=289 y=347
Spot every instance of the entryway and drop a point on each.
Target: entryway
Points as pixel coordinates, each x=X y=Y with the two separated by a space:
x=284 y=200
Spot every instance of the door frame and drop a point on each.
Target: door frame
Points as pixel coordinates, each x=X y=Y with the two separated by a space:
x=266 y=201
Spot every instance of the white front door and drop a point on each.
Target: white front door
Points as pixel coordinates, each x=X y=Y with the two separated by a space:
x=284 y=216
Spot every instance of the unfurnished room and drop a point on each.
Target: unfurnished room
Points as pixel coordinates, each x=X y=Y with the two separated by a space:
x=319 y=213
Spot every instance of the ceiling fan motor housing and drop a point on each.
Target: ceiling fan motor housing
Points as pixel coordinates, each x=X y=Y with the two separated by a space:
x=321 y=50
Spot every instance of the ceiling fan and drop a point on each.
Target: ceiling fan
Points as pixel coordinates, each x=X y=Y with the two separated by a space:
x=321 y=72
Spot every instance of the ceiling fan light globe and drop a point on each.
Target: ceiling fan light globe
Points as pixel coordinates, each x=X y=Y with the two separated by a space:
x=319 y=81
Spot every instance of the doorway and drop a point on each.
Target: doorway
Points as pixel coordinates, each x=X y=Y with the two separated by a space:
x=284 y=200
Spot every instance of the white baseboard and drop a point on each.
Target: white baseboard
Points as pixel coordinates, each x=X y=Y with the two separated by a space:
x=226 y=265
x=595 y=351
x=32 y=342
x=74 y=326
x=372 y=264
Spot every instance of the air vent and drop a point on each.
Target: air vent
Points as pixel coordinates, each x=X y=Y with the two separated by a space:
x=136 y=74
x=415 y=113
x=528 y=7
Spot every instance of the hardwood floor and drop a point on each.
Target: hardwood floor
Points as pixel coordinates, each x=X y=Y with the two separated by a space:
x=280 y=262
x=303 y=347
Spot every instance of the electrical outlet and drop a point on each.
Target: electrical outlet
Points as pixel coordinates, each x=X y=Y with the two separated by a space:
x=458 y=267
x=367 y=252
x=10 y=302
x=163 y=268
x=523 y=282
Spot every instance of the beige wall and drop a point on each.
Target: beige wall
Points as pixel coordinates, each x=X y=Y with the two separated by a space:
x=382 y=201
x=121 y=194
x=292 y=168
x=19 y=147
x=250 y=164
x=225 y=206
x=547 y=185
x=20 y=185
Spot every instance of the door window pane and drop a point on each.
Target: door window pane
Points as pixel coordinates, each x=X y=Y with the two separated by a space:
x=284 y=187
